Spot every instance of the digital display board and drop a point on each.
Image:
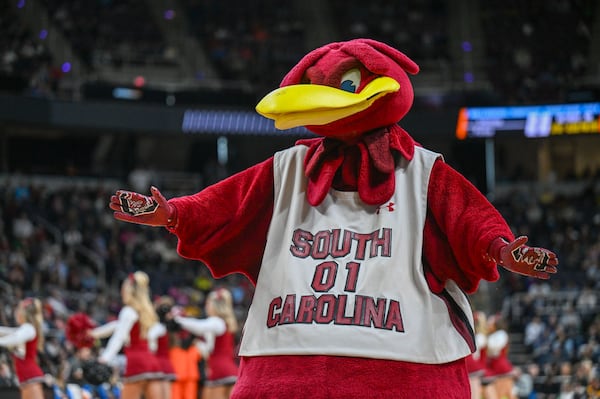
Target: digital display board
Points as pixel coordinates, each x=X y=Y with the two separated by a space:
x=231 y=122
x=532 y=121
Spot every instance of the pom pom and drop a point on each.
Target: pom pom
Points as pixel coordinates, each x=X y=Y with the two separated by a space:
x=77 y=330
x=96 y=373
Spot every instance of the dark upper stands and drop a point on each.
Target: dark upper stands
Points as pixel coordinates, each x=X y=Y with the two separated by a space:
x=26 y=65
x=107 y=32
x=418 y=28
x=534 y=51
x=257 y=41
x=537 y=50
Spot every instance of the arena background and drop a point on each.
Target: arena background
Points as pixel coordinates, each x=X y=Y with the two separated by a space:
x=104 y=94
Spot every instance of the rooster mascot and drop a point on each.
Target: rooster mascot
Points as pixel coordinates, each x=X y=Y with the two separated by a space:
x=362 y=244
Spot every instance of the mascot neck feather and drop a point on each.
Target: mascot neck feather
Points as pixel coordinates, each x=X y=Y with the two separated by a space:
x=366 y=164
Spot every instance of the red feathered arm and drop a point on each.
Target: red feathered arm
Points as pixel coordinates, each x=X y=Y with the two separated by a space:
x=461 y=224
x=225 y=225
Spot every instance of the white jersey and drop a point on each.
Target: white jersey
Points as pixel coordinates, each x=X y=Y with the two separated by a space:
x=346 y=279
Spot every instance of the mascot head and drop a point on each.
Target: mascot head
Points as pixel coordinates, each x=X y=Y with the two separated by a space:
x=343 y=90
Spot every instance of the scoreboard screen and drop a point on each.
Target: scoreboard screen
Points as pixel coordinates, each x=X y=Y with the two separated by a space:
x=532 y=121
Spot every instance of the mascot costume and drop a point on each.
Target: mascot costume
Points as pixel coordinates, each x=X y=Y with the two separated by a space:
x=362 y=244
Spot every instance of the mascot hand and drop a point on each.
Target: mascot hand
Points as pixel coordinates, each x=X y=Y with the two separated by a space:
x=142 y=209
x=528 y=261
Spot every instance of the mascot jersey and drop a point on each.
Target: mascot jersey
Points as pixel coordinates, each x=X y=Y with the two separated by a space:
x=320 y=289
x=227 y=227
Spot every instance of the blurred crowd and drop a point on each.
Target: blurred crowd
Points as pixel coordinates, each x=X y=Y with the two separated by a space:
x=257 y=41
x=110 y=33
x=418 y=28
x=556 y=322
x=26 y=64
x=528 y=58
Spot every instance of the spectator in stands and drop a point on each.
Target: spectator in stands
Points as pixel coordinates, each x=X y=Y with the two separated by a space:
x=548 y=386
x=76 y=383
x=542 y=347
x=593 y=389
x=533 y=330
x=569 y=318
x=523 y=383
x=25 y=341
x=7 y=379
x=563 y=346
x=587 y=301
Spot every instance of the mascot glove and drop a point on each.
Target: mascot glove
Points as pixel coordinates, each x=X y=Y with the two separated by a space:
x=138 y=208
x=522 y=259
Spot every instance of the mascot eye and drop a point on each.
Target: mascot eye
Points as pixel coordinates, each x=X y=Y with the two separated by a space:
x=350 y=80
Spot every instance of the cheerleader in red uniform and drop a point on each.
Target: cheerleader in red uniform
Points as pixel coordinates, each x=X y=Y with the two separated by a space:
x=159 y=338
x=476 y=361
x=142 y=376
x=24 y=342
x=220 y=325
x=499 y=372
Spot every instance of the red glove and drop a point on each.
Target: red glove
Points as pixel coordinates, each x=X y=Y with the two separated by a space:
x=142 y=209
x=522 y=259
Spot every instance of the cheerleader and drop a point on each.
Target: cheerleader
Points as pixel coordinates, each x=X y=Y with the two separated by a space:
x=159 y=340
x=24 y=342
x=221 y=324
x=476 y=361
x=499 y=370
x=142 y=375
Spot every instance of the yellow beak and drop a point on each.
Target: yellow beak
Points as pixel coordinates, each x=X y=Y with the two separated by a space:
x=307 y=104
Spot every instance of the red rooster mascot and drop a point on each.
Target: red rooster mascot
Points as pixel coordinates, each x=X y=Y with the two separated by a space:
x=361 y=243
